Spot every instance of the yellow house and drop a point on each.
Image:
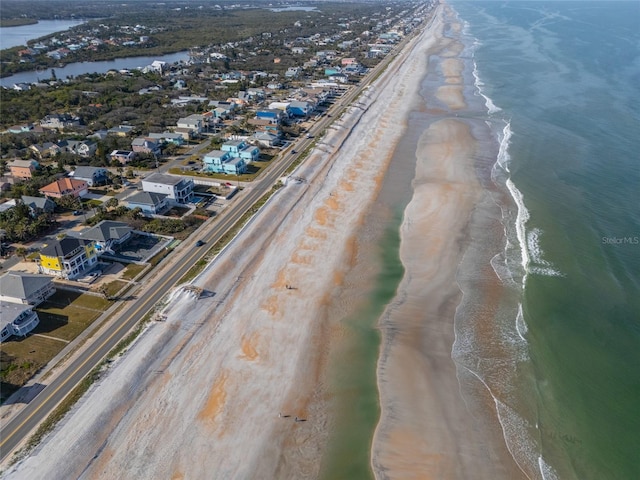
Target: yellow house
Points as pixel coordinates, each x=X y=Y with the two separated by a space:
x=68 y=258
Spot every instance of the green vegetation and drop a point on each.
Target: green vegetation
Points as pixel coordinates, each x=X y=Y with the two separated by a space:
x=132 y=270
x=17 y=22
x=63 y=317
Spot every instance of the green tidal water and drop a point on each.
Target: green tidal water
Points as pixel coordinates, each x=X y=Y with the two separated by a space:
x=353 y=368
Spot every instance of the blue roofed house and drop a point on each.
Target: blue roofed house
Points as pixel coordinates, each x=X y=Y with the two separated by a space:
x=274 y=115
x=218 y=161
x=300 y=109
x=92 y=175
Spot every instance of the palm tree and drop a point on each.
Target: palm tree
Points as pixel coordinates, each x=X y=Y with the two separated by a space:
x=22 y=252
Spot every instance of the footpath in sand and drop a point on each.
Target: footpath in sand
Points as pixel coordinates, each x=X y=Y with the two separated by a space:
x=213 y=391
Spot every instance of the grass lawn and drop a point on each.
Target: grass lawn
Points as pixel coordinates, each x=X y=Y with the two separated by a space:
x=114 y=287
x=21 y=358
x=63 y=317
x=132 y=270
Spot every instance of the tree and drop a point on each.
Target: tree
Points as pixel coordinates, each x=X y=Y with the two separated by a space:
x=112 y=202
x=22 y=252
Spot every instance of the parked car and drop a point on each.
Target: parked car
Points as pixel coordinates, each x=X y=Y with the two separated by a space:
x=77 y=212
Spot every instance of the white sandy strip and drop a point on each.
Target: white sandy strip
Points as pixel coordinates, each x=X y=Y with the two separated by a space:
x=198 y=396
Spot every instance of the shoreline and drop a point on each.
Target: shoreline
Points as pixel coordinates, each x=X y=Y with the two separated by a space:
x=426 y=428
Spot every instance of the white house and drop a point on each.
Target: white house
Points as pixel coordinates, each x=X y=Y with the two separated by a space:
x=177 y=189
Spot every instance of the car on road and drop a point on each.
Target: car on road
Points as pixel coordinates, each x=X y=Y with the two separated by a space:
x=309 y=135
x=293 y=151
x=199 y=243
x=77 y=212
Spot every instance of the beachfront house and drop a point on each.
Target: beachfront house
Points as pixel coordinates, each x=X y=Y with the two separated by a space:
x=25 y=288
x=23 y=168
x=218 y=161
x=16 y=319
x=177 y=189
x=240 y=149
x=68 y=258
x=150 y=203
x=106 y=235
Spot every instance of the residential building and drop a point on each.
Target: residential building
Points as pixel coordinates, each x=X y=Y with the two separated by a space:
x=150 y=203
x=274 y=115
x=146 y=145
x=106 y=235
x=177 y=189
x=267 y=139
x=44 y=150
x=222 y=162
x=194 y=123
x=38 y=205
x=68 y=258
x=16 y=319
x=300 y=109
x=168 y=137
x=122 y=156
x=92 y=175
x=25 y=288
x=240 y=149
x=82 y=148
x=59 y=122
x=23 y=168
x=65 y=186
x=121 y=130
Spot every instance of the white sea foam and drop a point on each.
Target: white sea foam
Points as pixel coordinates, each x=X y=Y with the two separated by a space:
x=504 y=159
x=546 y=471
x=521 y=325
x=522 y=218
x=540 y=266
x=491 y=107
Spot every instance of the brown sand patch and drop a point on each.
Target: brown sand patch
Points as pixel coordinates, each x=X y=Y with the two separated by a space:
x=346 y=186
x=452 y=96
x=271 y=305
x=321 y=216
x=338 y=278
x=315 y=233
x=301 y=259
x=216 y=400
x=332 y=203
x=248 y=347
x=351 y=250
x=452 y=67
x=281 y=280
x=177 y=476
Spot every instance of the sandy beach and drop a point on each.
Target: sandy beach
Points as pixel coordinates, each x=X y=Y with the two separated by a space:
x=236 y=384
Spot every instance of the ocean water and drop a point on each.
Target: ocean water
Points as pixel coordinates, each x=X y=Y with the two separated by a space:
x=559 y=348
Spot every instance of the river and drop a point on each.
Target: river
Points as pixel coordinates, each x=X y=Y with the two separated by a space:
x=80 y=68
x=15 y=36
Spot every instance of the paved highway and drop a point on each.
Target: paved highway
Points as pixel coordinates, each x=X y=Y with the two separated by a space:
x=22 y=424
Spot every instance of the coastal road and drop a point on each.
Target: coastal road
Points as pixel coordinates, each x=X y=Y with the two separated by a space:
x=18 y=428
